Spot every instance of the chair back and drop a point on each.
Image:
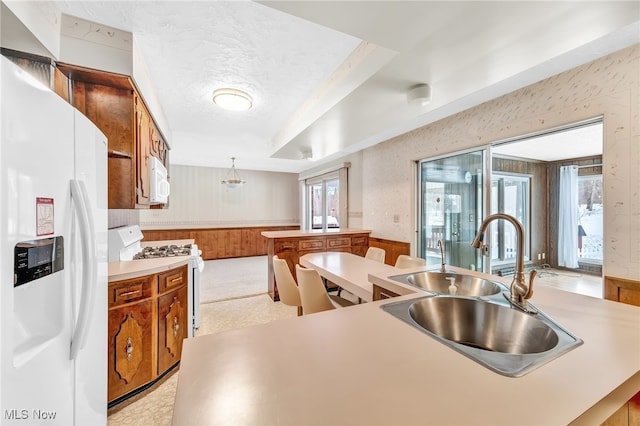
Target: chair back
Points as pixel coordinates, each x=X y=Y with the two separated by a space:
x=313 y=295
x=375 y=253
x=403 y=261
x=287 y=287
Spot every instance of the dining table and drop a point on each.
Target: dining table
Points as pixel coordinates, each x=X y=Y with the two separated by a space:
x=348 y=271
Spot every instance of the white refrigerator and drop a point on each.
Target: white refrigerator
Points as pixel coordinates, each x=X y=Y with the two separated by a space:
x=53 y=257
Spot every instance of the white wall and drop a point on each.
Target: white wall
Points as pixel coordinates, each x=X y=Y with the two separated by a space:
x=199 y=200
x=609 y=86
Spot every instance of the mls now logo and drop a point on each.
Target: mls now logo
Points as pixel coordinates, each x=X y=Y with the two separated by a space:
x=16 y=414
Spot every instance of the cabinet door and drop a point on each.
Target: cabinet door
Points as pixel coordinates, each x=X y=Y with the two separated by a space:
x=130 y=363
x=172 y=327
x=143 y=145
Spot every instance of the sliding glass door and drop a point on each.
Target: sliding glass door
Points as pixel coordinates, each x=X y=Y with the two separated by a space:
x=451 y=201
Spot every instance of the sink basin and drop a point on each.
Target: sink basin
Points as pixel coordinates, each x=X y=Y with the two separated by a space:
x=492 y=333
x=483 y=325
x=437 y=282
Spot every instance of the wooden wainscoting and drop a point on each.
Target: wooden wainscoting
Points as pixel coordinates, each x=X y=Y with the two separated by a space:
x=392 y=248
x=221 y=243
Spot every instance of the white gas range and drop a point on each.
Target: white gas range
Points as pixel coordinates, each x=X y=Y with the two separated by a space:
x=125 y=244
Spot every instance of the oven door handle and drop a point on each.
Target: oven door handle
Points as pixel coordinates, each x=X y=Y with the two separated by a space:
x=80 y=201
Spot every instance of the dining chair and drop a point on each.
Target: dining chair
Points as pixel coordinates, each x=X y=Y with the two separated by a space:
x=313 y=294
x=287 y=287
x=403 y=261
x=375 y=253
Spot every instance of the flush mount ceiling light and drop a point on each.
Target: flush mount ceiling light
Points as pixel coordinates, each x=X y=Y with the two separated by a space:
x=232 y=99
x=233 y=179
x=420 y=94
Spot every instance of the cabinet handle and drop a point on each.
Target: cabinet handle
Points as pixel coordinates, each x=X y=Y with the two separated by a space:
x=128 y=293
x=129 y=348
x=176 y=326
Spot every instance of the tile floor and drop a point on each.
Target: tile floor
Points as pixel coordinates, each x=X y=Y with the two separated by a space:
x=233 y=295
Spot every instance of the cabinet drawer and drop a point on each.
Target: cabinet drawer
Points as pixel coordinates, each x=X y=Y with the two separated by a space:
x=281 y=246
x=127 y=291
x=338 y=242
x=310 y=245
x=172 y=279
x=360 y=241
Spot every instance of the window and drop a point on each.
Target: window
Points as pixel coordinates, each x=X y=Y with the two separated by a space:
x=325 y=205
x=510 y=194
x=590 y=208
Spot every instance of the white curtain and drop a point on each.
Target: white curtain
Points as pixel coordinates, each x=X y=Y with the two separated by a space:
x=568 y=217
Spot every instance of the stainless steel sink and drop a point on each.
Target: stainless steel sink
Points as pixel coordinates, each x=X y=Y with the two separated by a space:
x=439 y=282
x=490 y=332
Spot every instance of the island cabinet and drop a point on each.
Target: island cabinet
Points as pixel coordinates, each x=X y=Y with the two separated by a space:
x=381 y=293
x=112 y=102
x=291 y=245
x=147 y=323
x=625 y=291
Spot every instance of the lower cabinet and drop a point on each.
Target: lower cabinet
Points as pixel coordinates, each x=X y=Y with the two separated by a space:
x=625 y=291
x=172 y=327
x=627 y=415
x=130 y=340
x=380 y=293
x=292 y=248
x=146 y=326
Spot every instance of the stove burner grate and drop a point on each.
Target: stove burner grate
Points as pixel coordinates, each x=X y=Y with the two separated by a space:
x=163 y=251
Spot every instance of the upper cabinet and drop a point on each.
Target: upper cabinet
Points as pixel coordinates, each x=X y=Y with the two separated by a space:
x=42 y=69
x=114 y=104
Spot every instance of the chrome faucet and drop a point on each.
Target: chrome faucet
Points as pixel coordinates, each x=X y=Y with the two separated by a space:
x=520 y=290
x=441 y=247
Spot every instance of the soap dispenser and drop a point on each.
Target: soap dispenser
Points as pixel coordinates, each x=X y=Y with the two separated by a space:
x=453 y=290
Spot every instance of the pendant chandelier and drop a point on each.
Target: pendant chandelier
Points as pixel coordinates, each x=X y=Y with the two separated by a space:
x=233 y=179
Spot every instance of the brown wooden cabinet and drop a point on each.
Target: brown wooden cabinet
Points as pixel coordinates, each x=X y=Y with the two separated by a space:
x=114 y=104
x=42 y=68
x=380 y=293
x=622 y=290
x=143 y=151
x=130 y=335
x=172 y=327
x=625 y=291
x=291 y=248
x=147 y=323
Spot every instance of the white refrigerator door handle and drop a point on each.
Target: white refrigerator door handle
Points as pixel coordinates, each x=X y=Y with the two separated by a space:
x=81 y=204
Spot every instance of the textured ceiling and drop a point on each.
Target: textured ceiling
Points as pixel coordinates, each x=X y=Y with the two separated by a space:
x=194 y=48
x=332 y=76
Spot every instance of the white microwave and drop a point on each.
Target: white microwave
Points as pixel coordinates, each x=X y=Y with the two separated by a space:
x=158 y=181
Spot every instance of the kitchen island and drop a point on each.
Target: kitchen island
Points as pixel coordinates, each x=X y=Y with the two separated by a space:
x=293 y=244
x=360 y=365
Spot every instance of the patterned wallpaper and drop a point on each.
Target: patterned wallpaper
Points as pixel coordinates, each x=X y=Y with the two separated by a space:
x=608 y=87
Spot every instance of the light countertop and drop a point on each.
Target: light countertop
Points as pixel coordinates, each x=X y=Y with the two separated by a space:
x=313 y=232
x=348 y=270
x=360 y=365
x=127 y=269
